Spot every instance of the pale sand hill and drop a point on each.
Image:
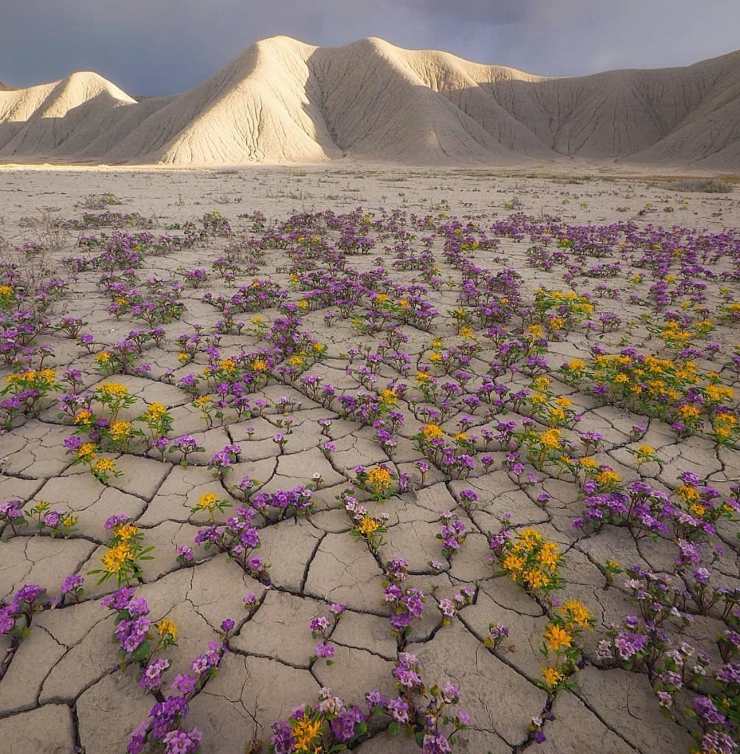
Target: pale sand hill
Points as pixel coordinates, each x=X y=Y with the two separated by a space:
x=41 y=120
x=286 y=101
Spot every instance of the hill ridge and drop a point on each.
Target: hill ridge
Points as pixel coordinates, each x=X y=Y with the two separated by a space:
x=283 y=100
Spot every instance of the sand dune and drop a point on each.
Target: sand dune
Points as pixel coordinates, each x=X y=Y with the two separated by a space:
x=285 y=101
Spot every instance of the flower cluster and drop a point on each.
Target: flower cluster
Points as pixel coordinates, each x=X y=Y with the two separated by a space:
x=24 y=392
x=406 y=602
x=559 y=645
x=125 y=552
x=282 y=504
x=364 y=525
x=325 y=726
x=377 y=480
x=139 y=638
x=239 y=538
x=528 y=558
x=321 y=628
x=672 y=390
x=452 y=534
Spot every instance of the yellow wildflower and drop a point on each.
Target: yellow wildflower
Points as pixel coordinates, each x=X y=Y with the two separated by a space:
x=156 y=411
x=167 y=627
x=688 y=411
x=536 y=579
x=551 y=438
x=120 y=430
x=116 y=558
x=104 y=466
x=86 y=450
x=367 y=525
x=432 y=431
x=305 y=733
x=717 y=393
x=607 y=477
x=208 y=501
x=549 y=555
x=552 y=676
x=513 y=563
x=388 y=397
x=125 y=532
x=379 y=478
x=227 y=365
x=577 y=613
x=557 y=637
x=114 y=390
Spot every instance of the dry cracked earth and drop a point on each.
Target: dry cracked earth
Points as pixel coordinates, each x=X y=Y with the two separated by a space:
x=64 y=687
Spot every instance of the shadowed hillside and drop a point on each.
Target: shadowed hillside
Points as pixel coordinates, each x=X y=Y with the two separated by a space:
x=285 y=101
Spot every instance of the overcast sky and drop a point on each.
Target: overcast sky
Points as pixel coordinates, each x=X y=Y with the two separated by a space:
x=166 y=46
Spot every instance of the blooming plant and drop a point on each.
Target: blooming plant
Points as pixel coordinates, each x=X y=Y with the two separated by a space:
x=687 y=686
x=114 y=396
x=450 y=607
x=365 y=526
x=497 y=633
x=559 y=310
x=423 y=712
x=552 y=410
x=528 y=558
x=210 y=502
x=163 y=729
x=56 y=523
x=545 y=447
x=185 y=445
x=282 y=504
x=377 y=480
x=223 y=459
x=328 y=726
x=559 y=645
x=16 y=615
x=125 y=552
x=406 y=602
x=239 y=538
x=452 y=534
x=321 y=628
x=140 y=638
x=158 y=421
x=23 y=393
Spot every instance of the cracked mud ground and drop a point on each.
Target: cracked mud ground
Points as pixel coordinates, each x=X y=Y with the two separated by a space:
x=64 y=689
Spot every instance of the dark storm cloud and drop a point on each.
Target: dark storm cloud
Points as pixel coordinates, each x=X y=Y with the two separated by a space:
x=166 y=46
x=503 y=12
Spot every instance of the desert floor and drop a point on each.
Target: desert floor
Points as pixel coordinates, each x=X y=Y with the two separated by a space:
x=64 y=687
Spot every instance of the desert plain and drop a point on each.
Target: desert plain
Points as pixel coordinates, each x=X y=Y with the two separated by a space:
x=335 y=368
